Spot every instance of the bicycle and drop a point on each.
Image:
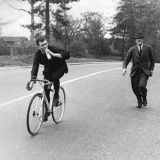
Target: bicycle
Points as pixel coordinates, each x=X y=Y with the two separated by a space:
x=36 y=108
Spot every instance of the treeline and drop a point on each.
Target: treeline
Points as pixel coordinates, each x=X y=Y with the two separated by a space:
x=87 y=34
x=134 y=16
x=82 y=36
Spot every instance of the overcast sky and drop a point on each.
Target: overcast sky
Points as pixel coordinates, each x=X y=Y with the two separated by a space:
x=17 y=18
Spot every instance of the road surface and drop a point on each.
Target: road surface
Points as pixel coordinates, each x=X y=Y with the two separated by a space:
x=101 y=121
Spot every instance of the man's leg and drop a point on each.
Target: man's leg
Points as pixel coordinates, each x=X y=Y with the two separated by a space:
x=56 y=79
x=47 y=91
x=136 y=89
x=143 y=87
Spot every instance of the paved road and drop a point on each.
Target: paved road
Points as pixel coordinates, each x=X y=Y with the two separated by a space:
x=101 y=121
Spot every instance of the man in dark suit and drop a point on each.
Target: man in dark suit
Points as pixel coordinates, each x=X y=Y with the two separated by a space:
x=142 y=68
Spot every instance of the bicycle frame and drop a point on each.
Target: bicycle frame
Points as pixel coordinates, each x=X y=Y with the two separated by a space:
x=40 y=102
x=45 y=100
x=44 y=97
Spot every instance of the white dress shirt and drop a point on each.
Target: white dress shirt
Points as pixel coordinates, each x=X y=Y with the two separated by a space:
x=139 y=47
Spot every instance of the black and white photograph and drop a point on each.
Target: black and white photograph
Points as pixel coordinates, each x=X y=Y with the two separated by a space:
x=79 y=79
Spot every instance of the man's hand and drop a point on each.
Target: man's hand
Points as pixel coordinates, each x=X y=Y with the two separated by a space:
x=124 y=71
x=151 y=73
x=58 y=55
x=30 y=85
x=48 y=51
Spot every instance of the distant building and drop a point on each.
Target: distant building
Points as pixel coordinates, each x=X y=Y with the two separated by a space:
x=12 y=41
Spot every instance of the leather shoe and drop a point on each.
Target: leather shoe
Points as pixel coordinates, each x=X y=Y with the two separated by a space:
x=144 y=102
x=139 y=104
x=55 y=101
x=46 y=115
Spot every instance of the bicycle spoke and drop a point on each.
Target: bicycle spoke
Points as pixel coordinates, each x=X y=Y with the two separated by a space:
x=58 y=110
x=35 y=114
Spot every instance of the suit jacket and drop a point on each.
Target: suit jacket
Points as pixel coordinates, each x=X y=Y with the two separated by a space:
x=145 y=62
x=50 y=65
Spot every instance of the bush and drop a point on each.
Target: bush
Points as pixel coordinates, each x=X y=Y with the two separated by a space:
x=57 y=44
x=4 y=50
x=77 y=48
x=31 y=48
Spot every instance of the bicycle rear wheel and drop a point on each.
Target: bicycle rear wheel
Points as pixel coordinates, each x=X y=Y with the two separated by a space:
x=35 y=114
x=58 y=111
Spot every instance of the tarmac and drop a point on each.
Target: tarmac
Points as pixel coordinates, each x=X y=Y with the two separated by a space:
x=5 y=68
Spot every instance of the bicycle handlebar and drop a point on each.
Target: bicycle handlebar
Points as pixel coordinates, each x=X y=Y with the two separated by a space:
x=41 y=80
x=45 y=81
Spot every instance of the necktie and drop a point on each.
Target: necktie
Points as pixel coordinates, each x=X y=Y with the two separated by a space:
x=140 y=51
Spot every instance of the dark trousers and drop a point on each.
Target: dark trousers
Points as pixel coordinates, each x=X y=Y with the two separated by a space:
x=54 y=77
x=139 y=85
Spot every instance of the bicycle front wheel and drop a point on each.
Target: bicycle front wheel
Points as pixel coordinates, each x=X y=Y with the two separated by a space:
x=35 y=114
x=58 y=111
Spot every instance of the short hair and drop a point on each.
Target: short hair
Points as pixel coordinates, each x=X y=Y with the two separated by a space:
x=40 y=39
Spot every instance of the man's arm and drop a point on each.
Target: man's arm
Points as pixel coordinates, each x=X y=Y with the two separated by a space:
x=127 y=59
x=34 y=71
x=35 y=66
x=59 y=53
x=152 y=62
x=126 y=62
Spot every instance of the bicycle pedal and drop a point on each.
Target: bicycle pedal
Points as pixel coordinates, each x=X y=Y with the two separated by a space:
x=58 y=104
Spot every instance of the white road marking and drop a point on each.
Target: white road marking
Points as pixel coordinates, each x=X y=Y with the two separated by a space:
x=89 y=75
x=73 y=80
x=15 y=100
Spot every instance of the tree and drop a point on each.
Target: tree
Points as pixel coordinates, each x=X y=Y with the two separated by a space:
x=60 y=21
x=0 y=27
x=137 y=15
x=2 y=23
x=125 y=21
x=47 y=10
x=47 y=21
x=94 y=31
x=152 y=26
x=75 y=29
x=33 y=26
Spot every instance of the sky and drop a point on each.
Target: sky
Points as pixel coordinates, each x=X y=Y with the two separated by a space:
x=17 y=18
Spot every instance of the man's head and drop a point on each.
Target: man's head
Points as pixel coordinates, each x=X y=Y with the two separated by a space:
x=42 y=44
x=139 y=38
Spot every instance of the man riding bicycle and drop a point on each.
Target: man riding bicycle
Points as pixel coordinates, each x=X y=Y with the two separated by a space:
x=55 y=66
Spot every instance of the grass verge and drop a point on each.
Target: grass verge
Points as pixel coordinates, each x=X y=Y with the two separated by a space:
x=27 y=60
